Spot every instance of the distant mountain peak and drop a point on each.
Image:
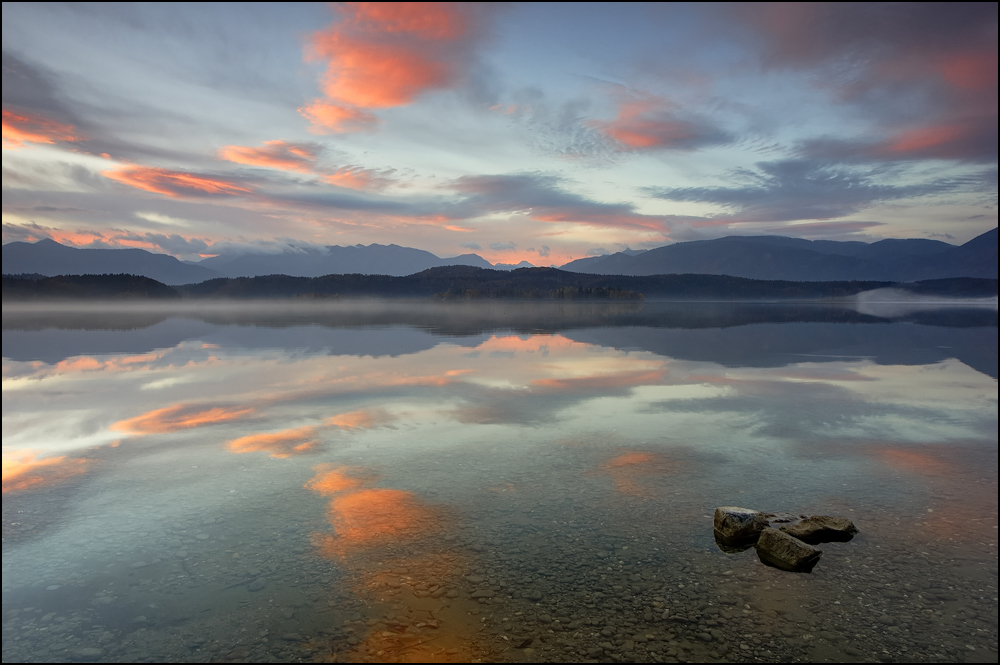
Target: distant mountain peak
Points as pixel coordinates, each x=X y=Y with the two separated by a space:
x=773 y=257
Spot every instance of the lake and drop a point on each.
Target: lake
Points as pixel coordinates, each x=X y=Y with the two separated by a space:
x=414 y=482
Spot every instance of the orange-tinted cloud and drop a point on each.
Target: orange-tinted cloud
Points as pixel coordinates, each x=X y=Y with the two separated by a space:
x=282 y=155
x=328 y=117
x=287 y=442
x=176 y=184
x=19 y=129
x=23 y=471
x=947 y=66
x=970 y=70
x=947 y=141
x=356 y=177
x=646 y=121
x=178 y=417
x=384 y=55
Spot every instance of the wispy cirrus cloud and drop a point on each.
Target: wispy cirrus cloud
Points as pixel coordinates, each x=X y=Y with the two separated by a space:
x=927 y=76
x=175 y=184
x=800 y=189
x=299 y=157
x=385 y=55
x=650 y=122
x=360 y=178
x=543 y=197
x=22 y=128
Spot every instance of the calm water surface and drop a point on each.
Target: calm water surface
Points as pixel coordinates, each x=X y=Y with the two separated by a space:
x=502 y=482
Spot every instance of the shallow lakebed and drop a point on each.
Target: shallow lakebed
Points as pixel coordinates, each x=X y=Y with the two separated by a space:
x=336 y=482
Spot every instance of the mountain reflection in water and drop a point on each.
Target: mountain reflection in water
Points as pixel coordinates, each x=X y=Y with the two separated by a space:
x=510 y=482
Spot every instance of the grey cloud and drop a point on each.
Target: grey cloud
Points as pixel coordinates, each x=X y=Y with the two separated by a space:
x=543 y=195
x=471 y=245
x=544 y=251
x=800 y=189
x=502 y=246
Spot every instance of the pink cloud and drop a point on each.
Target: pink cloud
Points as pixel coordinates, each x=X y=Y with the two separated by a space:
x=274 y=155
x=21 y=128
x=175 y=184
x=356 y=177
x=646 y=121
x=385 y=55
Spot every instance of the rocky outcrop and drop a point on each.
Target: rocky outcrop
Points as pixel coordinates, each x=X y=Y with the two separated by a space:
x=822 y=529
x=782 y=540
x=735 y=526
x=777 y=548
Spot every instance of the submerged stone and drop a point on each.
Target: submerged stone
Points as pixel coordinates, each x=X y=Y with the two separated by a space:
x=777 y=548
x=735 y=527
x=822 y=529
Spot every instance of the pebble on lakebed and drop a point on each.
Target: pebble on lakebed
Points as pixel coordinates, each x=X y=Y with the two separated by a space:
x=782 y=540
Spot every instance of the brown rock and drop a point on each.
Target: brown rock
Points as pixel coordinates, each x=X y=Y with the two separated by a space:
x=736 y=526
x=777 y=548
x=822 y=529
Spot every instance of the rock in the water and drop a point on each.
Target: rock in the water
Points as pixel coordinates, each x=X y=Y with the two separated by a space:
x=257 y=584
x=777 y=548
x=822 y=529
x=738 y=526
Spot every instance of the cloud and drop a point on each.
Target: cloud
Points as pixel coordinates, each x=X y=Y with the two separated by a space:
x=502 y=246
x=649 y=122
x=299 y=157
x=326 y=117
x=541 y=197
x=176 y=184
x=799 y=189
x=386 y=55
x=926 y=72
x=475 y=246
x=356 y=177
x=544 y=251
x=21 y=128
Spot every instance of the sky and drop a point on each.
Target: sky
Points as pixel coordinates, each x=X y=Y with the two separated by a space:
x=537 y=132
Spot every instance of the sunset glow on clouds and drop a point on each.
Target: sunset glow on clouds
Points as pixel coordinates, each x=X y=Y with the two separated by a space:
x=508 y=128
x=21 y=129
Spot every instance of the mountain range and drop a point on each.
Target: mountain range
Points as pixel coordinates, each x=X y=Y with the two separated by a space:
x=49 y=258
x=753 y=257
x=782 y=258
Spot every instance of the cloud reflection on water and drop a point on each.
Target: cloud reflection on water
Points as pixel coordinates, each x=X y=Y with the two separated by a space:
x=22 y=470
x=178 y=417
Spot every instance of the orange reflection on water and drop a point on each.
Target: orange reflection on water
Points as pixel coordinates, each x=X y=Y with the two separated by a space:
x=962 y=507
x=361 y=419
x=914 y=462
x=601 y=381
x=178 y=417
x=371 y=517
x=23 y=471
x=288 y=442
x=89 y=363
x=329 y=481
x=631 y=471
x=368 y=517
x=532 y=343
